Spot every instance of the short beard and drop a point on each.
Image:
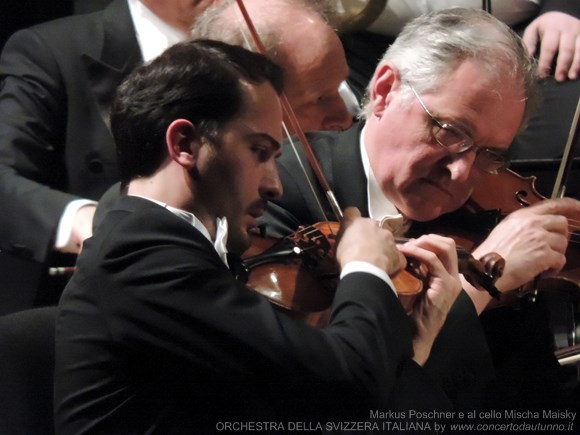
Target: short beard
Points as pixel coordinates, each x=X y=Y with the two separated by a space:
x=238 y=242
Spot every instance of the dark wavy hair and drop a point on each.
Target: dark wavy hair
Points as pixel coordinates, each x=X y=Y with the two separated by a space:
x=195 y=80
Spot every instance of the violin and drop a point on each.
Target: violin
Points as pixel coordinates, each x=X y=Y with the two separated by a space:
x=470 y=225
x=299 y=273
x=561 y=292
x=522 y=193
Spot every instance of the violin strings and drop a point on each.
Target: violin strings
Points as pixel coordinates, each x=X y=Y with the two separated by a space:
x=573 y=224
x=574 y=228
x=574 y=238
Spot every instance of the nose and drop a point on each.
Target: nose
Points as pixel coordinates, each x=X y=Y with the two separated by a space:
x=271 y=186
x=337 y=116
x=460 y=165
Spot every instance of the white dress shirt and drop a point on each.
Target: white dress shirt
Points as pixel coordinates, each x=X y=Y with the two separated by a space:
x=153 y=34
x=380 y=208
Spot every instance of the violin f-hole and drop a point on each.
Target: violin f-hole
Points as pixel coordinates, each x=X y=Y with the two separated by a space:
x=520 y=197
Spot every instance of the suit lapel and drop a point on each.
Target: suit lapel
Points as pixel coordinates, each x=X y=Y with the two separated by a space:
x=120 y=54
x=340 y=160
x=348 y=178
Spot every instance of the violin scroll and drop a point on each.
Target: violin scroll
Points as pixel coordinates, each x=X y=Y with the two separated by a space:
x=482 y=273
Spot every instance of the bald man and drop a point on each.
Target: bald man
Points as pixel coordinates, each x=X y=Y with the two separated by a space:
x=298 y=37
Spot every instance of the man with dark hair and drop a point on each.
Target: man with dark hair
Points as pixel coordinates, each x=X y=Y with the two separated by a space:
x=155 y=334
x=56 y=151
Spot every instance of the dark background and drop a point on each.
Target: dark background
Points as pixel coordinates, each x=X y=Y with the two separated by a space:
x=17 y=14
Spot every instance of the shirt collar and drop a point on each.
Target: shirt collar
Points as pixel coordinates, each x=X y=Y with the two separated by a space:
x=153 y=34
x=221 y=238
x=380 y=208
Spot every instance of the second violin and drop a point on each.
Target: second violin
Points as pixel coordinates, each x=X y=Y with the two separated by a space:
x=299 y=273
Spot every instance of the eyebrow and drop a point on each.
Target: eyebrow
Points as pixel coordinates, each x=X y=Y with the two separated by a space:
x=263 y=136
x=467 y=127
x=462 y=124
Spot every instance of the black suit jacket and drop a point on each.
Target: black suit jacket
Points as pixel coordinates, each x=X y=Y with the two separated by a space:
x=57 y=82
x=155 y=334
x=460 y=359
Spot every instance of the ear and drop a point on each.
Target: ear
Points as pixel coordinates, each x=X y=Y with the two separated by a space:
x=385 y=80
x=182 y=143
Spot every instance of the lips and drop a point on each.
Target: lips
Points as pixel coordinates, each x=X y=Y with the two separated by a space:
x=256 y=214
x=437 y=186
x=258 y=209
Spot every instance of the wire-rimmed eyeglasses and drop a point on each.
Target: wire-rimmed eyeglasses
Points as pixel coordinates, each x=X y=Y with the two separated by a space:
x=456 y=141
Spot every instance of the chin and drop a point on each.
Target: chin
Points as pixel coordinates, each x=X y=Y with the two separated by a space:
x=238 y=242
x=424 y=212
x=424 y=209
x=423 y=216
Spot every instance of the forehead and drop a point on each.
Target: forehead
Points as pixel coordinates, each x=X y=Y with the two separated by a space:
x=194 y=7
x=199 y=4
x=312 y=58
x=262 y=110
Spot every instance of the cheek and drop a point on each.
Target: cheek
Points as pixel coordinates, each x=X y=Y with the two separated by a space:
x=403 y=165
x=309 y=118
x=464 y=190
x=226 y=184
x=244 y=186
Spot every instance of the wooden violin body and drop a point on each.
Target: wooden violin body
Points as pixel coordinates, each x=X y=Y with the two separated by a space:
x=299 y=273
x=561 y=292
x=518 y=192
x=497 y=196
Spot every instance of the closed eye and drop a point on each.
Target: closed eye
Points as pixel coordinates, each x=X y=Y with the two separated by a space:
x=262 y=152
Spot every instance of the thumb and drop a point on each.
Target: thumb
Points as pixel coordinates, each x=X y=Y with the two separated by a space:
x=349 y=215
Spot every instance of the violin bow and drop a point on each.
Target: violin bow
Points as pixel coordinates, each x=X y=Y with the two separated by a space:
x=291 y=116
x=567 y=158
x=486 y=5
